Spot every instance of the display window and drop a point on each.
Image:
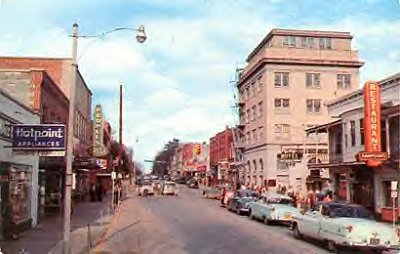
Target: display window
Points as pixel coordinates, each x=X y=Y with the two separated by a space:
x=19 y=194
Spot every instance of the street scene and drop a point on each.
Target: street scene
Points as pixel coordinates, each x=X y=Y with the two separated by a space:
x=199 y=126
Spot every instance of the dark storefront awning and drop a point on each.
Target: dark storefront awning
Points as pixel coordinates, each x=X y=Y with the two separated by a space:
x=332 y=165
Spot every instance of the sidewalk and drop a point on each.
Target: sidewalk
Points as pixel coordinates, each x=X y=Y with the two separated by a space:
x=49 y=232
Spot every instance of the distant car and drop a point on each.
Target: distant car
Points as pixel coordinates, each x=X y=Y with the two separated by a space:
x=345 y=225
x=170 y=188
x=192 y=184
x=145 y=189
x=212 y=193
x=274 y=207
x=181 y=180
x=240 y=205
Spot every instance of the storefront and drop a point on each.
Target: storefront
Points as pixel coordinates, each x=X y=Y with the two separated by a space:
x=18 y=172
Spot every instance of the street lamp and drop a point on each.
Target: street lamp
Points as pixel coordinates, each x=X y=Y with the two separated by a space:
x=140 y=37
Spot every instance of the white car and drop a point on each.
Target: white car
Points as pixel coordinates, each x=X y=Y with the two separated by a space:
x=170 y=188
x=273 y=208
x=345 y=225
x=146 y=189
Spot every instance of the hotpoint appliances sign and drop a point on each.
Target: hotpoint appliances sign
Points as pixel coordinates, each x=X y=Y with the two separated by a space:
x=40 y=137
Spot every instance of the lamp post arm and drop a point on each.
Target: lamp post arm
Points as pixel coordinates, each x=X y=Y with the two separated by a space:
x=108 y=32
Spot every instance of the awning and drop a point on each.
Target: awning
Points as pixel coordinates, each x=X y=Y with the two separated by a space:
x=332 y=165
x=323 y=127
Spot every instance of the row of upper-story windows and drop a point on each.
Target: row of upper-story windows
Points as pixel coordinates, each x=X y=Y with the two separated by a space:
x=252 y=89
x=307 y=42
x=312 y=80
x=252 y=113
x=254 y=167
x=282 y=105
x=254 y=136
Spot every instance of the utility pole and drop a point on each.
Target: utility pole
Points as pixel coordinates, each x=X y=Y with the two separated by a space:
x=120 y=114
x=70 y=144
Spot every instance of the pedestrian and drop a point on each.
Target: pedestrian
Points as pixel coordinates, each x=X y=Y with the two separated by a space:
x=99 y=191
x=92 y=192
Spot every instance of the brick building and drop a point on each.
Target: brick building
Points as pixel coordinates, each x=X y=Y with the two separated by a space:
x=221 y=155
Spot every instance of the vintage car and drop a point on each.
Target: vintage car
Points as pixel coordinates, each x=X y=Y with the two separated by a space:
x=146 y=188
x=345 y=225
x=273 y=207
x=170 y=188
x=212 y=193
x=240 y=205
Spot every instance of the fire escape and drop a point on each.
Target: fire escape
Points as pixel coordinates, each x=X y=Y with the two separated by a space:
x=238 y=146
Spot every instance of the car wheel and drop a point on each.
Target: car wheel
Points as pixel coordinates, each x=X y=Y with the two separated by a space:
x=332 y=247
x=145 y=193
x=267 y=221
x=251 y=215
x=296 y=232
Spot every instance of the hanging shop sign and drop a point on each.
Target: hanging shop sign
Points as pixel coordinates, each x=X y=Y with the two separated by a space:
x=373 y=154
x=50 y=137
x=99 y=149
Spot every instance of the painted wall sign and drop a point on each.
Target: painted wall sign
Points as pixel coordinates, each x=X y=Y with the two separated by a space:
x=372 y=121
x=38 y=137
x=98 y=132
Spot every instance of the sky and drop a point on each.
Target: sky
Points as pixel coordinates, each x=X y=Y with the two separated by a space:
x=178 y=84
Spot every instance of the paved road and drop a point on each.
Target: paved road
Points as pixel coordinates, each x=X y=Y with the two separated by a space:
x=191 y=224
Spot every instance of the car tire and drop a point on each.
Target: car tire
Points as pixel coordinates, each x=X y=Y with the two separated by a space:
x=296 y=232
x=145 y=193
x=267 y=221
x=332 y=247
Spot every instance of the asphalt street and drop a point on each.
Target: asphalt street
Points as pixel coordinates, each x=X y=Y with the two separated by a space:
x=191 y=224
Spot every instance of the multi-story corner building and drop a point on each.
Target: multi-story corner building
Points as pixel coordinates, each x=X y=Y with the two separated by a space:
x=352 y=179
x=221 y=155
x=289 y=77
x=59 y=70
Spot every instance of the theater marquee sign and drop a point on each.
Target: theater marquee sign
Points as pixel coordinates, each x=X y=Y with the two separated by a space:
x=373 y=154
x=99 y=149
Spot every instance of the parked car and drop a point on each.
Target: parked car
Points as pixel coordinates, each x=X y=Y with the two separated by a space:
x=240 y=205
x=345 y=225
x=181 y=180
x=212 y=193
x=145 y=189
x=193 y=184
x=170 y=188
x=274 y=207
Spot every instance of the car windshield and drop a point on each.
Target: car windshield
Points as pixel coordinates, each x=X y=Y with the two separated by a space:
x=283 y=201
x=347 y=211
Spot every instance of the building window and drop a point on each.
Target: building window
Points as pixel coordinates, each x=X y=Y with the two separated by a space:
x=260 y=84
x=248 y=137
x=289 y=41
x=255 y=166
x=260 y=109
x=253 y=116
x=248 y=92
x=313 y=80
x=248 y=166
x=325 y=43
x=44 y=114
x=343 y=81
x=281 y=79
x=253 y=88
x=248 y=116
x=242 y=94
x=282 y=104
x=307 y=42
x=362 y=138
x=261 y=165
x=383 y=136
x=353 y=133
x=282 y=128
x=338 y=143
x=345 y=134
x=260 y=133
x=255 y=137
x=313 y=106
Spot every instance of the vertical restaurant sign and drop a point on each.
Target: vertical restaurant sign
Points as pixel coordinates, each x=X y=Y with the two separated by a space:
x=98 y=146
x=372 y=124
